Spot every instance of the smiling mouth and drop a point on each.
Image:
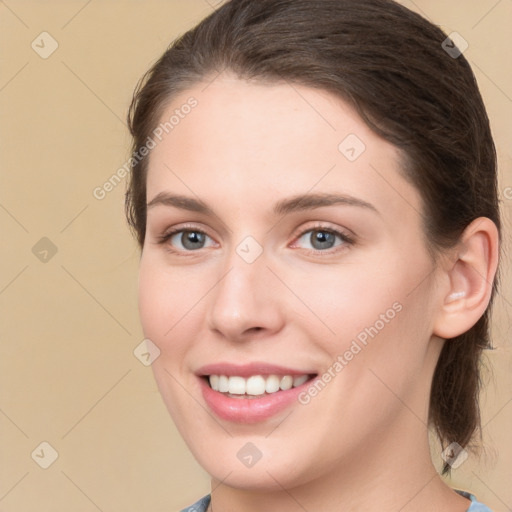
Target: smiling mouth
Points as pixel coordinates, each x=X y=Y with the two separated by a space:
x=255 y=386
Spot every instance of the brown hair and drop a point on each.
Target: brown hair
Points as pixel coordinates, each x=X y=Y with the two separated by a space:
x=392 y=66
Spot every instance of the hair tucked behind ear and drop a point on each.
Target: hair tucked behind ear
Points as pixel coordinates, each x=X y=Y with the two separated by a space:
x=388 y=63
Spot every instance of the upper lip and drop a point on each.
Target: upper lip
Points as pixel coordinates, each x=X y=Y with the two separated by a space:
x=246 y=370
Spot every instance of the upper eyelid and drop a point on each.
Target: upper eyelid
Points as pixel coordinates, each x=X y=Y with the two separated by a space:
x=197 y=227
x=299 y=232
x=179 y=229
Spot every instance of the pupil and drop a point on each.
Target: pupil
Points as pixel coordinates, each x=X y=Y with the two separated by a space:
x=324 y=239
x=190 y=238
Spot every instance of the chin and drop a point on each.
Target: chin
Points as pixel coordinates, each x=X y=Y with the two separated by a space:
x=251 y=479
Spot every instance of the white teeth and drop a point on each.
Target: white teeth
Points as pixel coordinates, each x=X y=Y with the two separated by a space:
x=237 y=385
x=286 y=382
x=223 y=384
x=256 y=384
x=297 y=381
x=214 y=381
x=272 y=384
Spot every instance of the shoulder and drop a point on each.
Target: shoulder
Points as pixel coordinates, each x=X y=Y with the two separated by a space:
x=475 y=506
x=202 y=504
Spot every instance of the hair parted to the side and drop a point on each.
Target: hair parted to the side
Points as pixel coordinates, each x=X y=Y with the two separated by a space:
x=388 y=63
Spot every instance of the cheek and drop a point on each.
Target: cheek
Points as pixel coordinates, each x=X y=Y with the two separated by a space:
x=151 y=304
x=163 y=307
x=160 y=298
x=377 y=312
x=346 y=299
x=170 y=310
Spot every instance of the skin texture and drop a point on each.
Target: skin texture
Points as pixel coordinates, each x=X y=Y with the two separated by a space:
x=362 y=442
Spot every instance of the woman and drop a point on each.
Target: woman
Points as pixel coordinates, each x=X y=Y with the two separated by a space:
x=314 y=195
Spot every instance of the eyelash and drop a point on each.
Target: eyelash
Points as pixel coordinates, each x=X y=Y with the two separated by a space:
x=346 y=239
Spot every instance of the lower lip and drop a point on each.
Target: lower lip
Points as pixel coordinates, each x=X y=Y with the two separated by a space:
x=250 y=410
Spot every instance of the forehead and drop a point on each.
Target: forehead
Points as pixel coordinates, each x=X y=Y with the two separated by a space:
x=255 y=140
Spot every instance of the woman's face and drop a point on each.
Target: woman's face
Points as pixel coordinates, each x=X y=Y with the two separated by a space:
x=306 y=257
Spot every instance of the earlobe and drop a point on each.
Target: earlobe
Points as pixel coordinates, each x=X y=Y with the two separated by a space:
x=470 y=277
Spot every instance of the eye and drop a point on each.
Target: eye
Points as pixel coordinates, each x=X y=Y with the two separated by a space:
x=323 y=239
x=188 y=239
x=184 y=239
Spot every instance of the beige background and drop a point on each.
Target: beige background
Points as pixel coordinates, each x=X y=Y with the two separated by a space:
x=69 y=324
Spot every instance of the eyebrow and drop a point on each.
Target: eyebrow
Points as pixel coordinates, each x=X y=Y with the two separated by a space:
x=295 y=203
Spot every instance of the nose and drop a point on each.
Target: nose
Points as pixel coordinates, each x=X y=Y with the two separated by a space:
x=246 y=301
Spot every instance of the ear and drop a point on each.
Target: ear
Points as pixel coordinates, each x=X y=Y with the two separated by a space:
x=470 y=274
